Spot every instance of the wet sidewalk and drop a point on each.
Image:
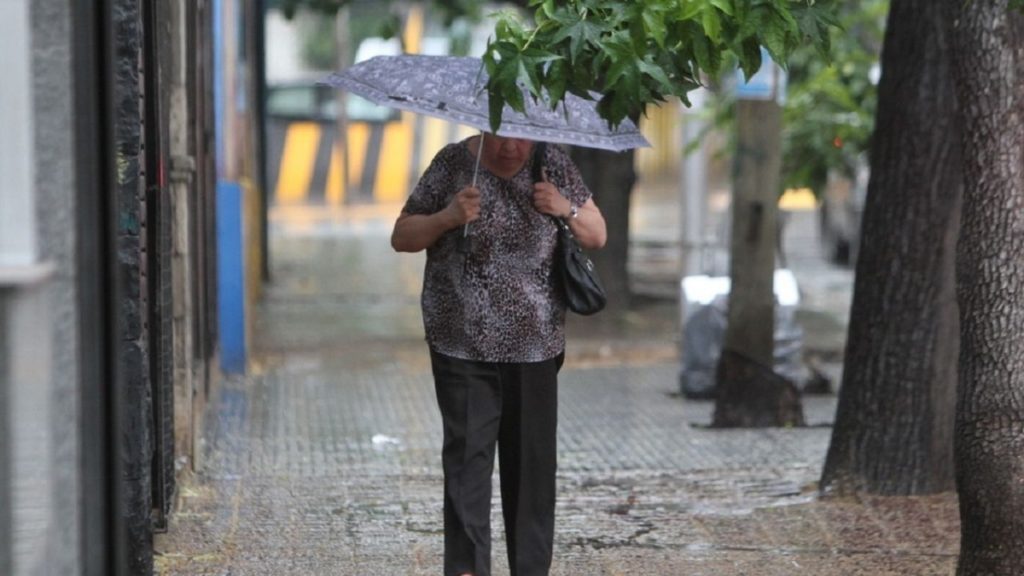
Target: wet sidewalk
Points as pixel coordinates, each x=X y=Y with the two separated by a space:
x=325 y=460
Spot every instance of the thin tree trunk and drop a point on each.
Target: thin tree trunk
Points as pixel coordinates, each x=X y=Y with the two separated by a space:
x=749 y=393
x=989 y=442
x=751 y=329
x=610 y=177
x=893 y=432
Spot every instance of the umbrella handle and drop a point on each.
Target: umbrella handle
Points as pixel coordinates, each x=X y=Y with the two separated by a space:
x=476 y=171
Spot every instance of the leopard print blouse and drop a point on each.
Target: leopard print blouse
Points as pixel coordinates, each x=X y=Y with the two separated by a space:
x=495 y=301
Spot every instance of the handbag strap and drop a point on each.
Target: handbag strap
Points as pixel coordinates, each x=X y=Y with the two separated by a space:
x=537 y=175
x=537 y=168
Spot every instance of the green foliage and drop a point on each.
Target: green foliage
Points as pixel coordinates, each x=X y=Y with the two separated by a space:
x=829 y=114
x=638 y=52
x=319 y=45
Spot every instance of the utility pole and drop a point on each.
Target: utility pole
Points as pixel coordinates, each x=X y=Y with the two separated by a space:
x=694 y=188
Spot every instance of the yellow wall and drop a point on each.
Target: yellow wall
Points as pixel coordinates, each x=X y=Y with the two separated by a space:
x=663 y=128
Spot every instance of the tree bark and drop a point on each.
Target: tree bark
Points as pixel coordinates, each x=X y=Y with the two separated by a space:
x=751 y=328
x=610 y=177
x=749 y=393
x=989 y=438
x=893 y=432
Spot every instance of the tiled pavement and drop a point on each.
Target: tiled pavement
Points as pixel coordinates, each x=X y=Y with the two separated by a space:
x=319 y=469
x=325 y=460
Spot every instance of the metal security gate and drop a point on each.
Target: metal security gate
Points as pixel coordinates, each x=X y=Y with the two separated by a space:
x=205 y=212
x=159 y=287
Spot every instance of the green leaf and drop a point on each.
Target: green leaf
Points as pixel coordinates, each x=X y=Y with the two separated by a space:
x=539 y=56
x=496 y=104
x=774 y=35
x=659 y=75
x=527 y=76
x=750 y=57
x=690 y=9
x=514 y=96
x=507 y=69
x=712 y=23
x=790 y=22
x=815 y=22
x=707 y=55
x=557 y=81
x=579 y=34
x=723 y=5
x=654 y=26
x=621 y=68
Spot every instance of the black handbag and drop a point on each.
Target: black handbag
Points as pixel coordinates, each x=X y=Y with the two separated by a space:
x=574 y=272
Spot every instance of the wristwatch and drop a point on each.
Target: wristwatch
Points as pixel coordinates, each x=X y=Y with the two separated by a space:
x=573 y=211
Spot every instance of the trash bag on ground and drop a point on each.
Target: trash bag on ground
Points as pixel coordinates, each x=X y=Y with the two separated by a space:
x=705 y=301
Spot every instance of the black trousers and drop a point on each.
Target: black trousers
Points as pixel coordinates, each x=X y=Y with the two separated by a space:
x=513 y=405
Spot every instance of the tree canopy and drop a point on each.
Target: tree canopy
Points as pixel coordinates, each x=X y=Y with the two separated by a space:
x=640 y=52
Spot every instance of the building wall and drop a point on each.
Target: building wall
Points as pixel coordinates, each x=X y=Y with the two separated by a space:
x=55 y=187
x=38 y=320
x=31 y=443
x=43 y=505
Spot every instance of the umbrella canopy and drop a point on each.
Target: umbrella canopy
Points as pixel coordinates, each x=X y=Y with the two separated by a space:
x=453 y=88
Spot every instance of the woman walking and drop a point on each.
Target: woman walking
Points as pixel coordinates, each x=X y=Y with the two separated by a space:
x=495 y=328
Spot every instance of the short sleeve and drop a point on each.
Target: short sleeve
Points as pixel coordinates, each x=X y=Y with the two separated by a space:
x=435 y=186
x=562 y=171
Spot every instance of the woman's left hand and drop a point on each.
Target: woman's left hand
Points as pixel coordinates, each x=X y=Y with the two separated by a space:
x=588 y=225
x=548 y=200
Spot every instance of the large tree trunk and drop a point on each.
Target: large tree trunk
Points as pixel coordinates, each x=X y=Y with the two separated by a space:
x=610 y=177
x=989 y=443
x=893 y=432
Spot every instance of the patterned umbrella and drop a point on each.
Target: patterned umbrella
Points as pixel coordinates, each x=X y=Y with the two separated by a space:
x=453 y=88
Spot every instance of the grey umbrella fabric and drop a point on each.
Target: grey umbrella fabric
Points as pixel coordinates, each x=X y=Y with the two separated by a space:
x=452 y=88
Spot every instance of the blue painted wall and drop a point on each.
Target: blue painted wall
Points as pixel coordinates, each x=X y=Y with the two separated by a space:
x=231 y=257
x=231 y=277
